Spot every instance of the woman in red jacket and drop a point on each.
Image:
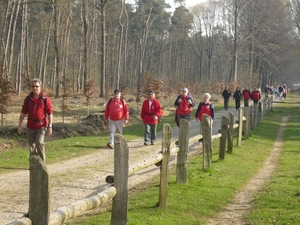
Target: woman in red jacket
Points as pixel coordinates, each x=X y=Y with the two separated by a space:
x=150 y=114
x=205 y=107
x=184 y=104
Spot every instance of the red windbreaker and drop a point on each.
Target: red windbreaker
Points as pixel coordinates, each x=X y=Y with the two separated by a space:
x=148 y=113
x=255 y=95
x=116 y=110
x=37 y=109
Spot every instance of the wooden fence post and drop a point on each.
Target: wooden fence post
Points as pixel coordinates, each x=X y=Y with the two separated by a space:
x=240 y=131
x=255 y=123
x=164 y=169
x=120 y=200
x=247 y=122
x=251 y=117
x=39 y=192
x=207 y=140
x=224 y=128
x=181 y=169
x=260 y=112
x=230 y=133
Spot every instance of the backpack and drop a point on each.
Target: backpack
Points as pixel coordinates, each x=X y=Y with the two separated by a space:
x=44 y=100
x=109 y=101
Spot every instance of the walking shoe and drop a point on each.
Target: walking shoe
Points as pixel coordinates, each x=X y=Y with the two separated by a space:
x=152 y=142
x=110 y=145
x=146 y=143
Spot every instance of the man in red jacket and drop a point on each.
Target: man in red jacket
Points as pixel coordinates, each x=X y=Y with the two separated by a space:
x=150 y=114
x=246 y=96
x=255 y=96
x=39 y=108
x=117 y=114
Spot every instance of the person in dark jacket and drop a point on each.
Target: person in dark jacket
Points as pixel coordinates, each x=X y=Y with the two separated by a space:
x=226 y=95
x=237 y=96
x=255 y=96
x=246 y=96
x=150 y=114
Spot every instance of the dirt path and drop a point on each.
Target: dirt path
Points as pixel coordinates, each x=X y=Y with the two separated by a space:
x=240 y=206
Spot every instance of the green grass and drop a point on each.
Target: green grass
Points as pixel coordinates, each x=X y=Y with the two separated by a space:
x=278 y=202
x=208 y=191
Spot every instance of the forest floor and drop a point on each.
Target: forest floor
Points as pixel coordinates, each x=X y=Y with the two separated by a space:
x=84 y=176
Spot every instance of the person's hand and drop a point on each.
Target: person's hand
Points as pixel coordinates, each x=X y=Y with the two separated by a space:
x=197 y=120
x=190 y=102
x=155 y=117
x=179 y=100
x=49 y=131
x=20 y=129
x=126 y=121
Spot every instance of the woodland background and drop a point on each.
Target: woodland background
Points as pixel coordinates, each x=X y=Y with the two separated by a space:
x=76 y=45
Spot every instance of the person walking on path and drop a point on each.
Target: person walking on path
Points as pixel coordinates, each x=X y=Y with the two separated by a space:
x=246 y=96
x=184 y=104
x=237 y=96
x=226 y=95
x=205 y=107
x=150 y=114
x=116 y=114
x=37 y=105
x=255 y=96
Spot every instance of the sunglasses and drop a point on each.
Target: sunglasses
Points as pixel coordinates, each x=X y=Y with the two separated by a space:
x=35 y=86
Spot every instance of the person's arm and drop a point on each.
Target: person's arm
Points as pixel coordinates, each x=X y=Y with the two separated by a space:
x=126 y=112
x=212 y=110
x=22 y=116
x=49 y=128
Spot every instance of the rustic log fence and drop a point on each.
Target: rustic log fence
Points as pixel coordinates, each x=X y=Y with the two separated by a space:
x=118 y=192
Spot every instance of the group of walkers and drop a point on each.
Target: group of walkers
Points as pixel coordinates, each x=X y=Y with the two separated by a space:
x=37 y=105
x=280 y=91
x=239 y=95
x=117 y=113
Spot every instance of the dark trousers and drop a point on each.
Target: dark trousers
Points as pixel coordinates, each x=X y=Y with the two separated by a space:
x=237 y=104
x=246 y=102
x=150 y=133
x=226 y=101
x=187 y=117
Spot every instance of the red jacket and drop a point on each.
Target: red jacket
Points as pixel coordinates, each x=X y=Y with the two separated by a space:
x=246 y=94
x=255 y=95
x=206 y=108
x=148 y=113
x=184 y=107
x=37 y=109
x=116 y=110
